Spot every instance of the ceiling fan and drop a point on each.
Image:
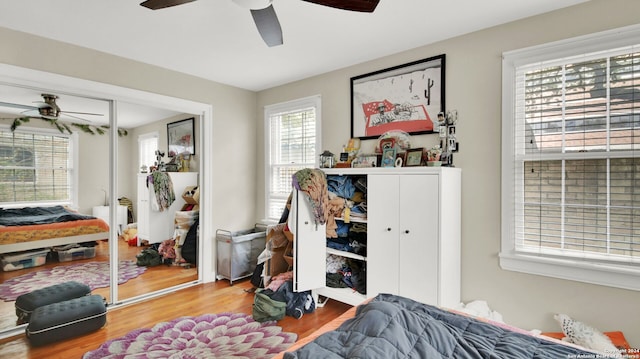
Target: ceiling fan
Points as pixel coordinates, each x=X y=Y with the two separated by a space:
x=48 y=109
x=265 y=16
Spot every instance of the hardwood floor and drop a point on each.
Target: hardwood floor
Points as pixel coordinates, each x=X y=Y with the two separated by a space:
x=217 y=297
x=153 y=279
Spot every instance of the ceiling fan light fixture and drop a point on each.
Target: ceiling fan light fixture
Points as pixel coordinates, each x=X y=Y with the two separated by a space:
x=50 y=108
x=253 y=4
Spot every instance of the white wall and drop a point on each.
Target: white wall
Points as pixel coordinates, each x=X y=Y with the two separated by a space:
x=473 y=87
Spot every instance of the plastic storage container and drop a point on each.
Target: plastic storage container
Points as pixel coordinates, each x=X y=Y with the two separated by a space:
x=238 y=252
x=76 y=253
x=22 y=260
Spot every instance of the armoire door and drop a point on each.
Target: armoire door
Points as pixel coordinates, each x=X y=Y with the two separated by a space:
x=309 y=245
x=143 y=207
x=402 y=236
x=383 y=250
x=418 y=270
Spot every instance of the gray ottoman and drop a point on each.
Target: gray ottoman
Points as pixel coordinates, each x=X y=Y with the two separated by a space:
x=27 y=303
x=63 y=320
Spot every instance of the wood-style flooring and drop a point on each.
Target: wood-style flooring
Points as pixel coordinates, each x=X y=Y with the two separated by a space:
x=217 y=297
x=153 y=279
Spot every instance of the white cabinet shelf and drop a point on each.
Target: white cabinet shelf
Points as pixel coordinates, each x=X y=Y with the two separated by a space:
x=353 y=219
x=413 y=237
x=345 y=254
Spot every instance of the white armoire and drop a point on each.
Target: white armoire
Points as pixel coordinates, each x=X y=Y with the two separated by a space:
x=157 y=226
x=413 y=237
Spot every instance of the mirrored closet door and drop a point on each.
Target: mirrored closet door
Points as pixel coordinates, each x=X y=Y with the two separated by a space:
x=83 y=153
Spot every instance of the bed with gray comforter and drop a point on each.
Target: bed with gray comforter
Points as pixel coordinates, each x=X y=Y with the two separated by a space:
x=390 y=326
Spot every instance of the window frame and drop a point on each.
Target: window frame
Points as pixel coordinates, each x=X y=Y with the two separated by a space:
x=289 y=106
x=619 y=275
x=73 y=160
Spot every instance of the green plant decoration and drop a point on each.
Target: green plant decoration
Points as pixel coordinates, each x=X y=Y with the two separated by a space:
x=64 y=127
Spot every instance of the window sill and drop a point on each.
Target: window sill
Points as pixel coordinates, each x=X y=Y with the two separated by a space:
x=606 y=274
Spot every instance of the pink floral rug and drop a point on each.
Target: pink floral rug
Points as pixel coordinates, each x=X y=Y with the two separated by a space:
x=93 y=274
x=225 y=335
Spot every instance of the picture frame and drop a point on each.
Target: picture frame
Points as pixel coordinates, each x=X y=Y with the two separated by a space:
x=365 y=161
x=180 y=137
x=413 y=158
x=388 y=157
x=407 y=97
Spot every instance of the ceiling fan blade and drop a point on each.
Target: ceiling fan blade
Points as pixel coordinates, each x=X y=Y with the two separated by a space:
x=34 y=112
x=352 y=5
x=268 y=25
x=15 y=105
x=161 y=4
x=82 y=113
x=66 y=114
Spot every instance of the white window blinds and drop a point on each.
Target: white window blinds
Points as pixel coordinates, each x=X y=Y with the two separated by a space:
x=292 y=141
x=576 y=162
x=35 y=167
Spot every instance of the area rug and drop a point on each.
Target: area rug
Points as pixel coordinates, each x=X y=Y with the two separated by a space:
x=225 y=335
x=93 y=274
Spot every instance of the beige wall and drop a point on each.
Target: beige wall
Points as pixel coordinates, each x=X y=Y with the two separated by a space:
x=473 y=87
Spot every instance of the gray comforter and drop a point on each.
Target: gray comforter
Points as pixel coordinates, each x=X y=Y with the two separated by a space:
x=38 y=215
x=395 y=327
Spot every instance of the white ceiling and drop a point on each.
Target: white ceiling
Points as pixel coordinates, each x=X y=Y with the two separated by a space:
x=217 y=39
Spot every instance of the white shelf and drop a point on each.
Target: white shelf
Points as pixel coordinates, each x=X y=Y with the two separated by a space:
x=344 y=295
x=353 y=219
x=346 y=254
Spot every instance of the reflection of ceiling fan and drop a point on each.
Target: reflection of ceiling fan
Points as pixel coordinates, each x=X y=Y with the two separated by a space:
x=265 y=16
x=48 y=109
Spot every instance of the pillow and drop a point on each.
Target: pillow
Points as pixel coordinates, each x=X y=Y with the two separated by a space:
x=581 y=334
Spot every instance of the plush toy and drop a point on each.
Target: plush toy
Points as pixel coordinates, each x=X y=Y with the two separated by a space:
x=581 y=334
x=130 y=235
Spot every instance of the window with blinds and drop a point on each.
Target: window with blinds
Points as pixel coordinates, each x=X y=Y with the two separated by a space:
x=579 y=124
x=35 y=167
x=147 y=147
x=292 y=142
x=571 y=159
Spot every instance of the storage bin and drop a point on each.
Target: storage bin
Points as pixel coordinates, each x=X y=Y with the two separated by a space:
x=191 y=195
x=238 y=252
x=20 y=260
x=76 y=253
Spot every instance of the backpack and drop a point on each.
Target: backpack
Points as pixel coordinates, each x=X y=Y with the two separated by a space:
x=267 y=309
x=190 y=245
x=148 y=257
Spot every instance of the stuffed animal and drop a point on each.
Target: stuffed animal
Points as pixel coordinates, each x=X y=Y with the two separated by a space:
x=581 y=334
x=130 y=235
